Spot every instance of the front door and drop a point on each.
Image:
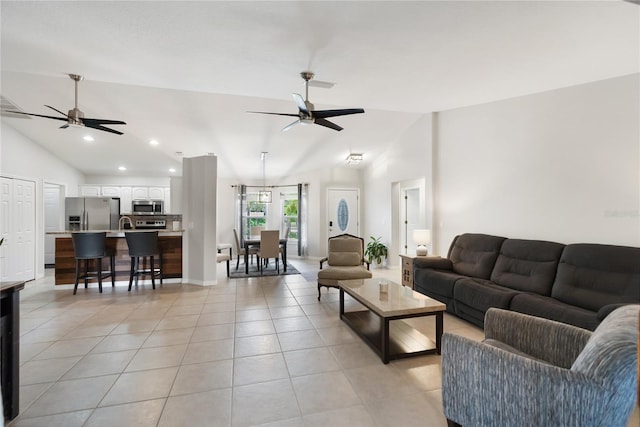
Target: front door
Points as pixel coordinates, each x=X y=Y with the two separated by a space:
x=343 y=211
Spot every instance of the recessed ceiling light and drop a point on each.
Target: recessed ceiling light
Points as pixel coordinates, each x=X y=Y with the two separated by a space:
x=88 y=138
x=172 y=170
x=122 y=168
x=154 y=142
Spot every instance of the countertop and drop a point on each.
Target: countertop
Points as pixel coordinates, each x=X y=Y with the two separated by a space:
x=117 y=233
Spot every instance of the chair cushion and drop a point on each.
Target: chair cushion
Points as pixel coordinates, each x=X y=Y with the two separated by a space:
x=610 y=353
x=527 y=265
x=331 y=275
x=344 y=258
x=223 y=257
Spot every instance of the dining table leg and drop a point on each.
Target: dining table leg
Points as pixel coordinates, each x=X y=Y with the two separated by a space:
x=246 y=258
x=284 y=255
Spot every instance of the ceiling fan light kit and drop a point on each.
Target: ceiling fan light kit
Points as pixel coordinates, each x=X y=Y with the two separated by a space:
x=75 y=117
x=354 y=158
x=306 y=110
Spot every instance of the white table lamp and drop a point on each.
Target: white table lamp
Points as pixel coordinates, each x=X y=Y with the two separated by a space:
x=421 y=238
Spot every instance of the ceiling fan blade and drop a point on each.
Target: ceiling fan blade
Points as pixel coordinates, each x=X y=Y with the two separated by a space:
x=103 y=122
x=38 y=115
x=302 y=106
x=98 y=127
x=334 y=113
x=327 y=123
x=274 y=114
x=57 y=111
x=286 y=128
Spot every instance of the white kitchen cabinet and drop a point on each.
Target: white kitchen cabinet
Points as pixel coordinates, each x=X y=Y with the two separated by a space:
x=90 y=190
x=167 y=200
x=110 y=191
x=156 y=193
x=125 y=200
x=140 y=193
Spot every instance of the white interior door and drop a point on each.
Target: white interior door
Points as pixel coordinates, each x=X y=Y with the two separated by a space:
x=410 y=208
x=6 y=190
x=24 y=223
x=53 y=216
x=343 y=211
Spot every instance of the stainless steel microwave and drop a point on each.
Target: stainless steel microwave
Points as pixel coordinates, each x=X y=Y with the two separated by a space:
x=147 y=207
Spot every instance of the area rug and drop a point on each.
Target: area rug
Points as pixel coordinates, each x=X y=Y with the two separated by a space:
x=269 y=270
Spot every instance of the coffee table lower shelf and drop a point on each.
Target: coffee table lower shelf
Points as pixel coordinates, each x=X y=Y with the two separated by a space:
x=392 y=338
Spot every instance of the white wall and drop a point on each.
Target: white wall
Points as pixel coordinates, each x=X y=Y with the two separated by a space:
x=407 y=158
x=562 y=165
x=22 y=158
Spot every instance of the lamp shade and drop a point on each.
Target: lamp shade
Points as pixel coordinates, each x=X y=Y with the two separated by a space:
x=421 y=238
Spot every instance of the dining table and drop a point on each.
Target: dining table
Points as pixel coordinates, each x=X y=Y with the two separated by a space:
x=255 y=241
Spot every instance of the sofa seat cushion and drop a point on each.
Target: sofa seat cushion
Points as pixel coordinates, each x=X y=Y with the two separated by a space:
x=549 y=308
x=331 y=275
x=591 y=276
x=435 y=282
x=474 y=255
x=527 y=265
x=482 y=294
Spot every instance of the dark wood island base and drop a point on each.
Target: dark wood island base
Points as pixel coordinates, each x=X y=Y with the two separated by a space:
x=171 y=247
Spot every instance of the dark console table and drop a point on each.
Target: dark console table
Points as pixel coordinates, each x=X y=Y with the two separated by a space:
x=10 y=347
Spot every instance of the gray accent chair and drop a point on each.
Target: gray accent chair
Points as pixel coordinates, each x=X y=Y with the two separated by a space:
x=531 y=371
x=346 y=261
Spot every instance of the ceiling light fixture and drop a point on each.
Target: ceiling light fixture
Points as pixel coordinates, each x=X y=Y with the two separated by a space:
x=172 y=170
x=354 y=158
x=264 y=196
x=153 y=142
x=88 y=138
x=122 y=168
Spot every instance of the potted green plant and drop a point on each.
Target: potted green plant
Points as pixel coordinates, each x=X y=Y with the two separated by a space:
x=376 y=251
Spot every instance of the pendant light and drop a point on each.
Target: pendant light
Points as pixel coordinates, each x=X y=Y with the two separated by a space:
x=264 y=196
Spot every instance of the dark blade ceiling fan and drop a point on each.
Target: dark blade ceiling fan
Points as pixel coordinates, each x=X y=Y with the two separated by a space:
x=307 y=114
x=75 y=117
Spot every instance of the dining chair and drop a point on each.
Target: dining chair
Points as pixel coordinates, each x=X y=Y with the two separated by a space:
x=286 y=238
x=240 y=251
x=269 y=248
x=255 y=230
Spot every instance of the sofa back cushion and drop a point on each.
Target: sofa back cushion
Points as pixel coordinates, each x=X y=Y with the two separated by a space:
x=475 y=254
x=592 y=276
x=527 y=265
x=345 y=250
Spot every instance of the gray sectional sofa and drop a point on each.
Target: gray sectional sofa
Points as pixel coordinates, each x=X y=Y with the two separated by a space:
x=578 y=284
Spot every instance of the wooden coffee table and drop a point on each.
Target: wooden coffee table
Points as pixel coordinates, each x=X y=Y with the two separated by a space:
x=382 y=327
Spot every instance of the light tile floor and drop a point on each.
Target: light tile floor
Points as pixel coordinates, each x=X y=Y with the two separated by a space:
x=245 y=352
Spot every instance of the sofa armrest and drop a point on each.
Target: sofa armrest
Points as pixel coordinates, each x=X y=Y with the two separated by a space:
x=548 y=340
x=322 y=261
x=488 y=386
x=435 y=263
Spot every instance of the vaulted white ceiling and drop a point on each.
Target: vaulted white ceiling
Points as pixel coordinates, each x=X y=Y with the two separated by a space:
x=186 y=73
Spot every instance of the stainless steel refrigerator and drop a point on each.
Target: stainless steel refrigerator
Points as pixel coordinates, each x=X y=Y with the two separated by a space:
x=92 y=213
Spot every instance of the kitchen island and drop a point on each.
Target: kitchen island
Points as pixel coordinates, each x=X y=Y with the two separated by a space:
x=170 y=244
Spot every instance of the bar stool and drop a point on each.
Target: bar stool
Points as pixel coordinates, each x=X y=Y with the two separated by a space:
x=92 y=246
x=141 y=245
